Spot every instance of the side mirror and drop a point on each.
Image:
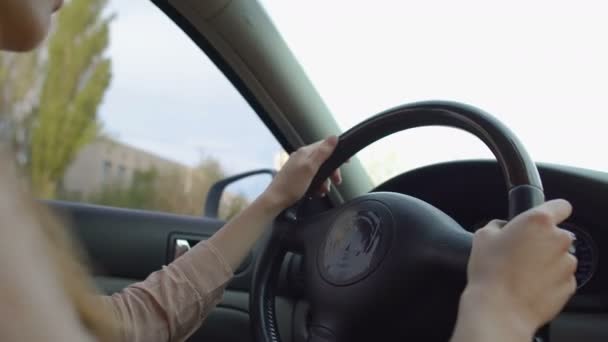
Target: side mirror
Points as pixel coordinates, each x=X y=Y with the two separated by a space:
x=214 y=196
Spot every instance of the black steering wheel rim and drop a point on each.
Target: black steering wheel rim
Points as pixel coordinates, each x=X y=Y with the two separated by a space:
x=520 y=173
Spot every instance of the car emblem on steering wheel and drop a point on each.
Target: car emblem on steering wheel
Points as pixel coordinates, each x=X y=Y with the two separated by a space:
x=352 y=248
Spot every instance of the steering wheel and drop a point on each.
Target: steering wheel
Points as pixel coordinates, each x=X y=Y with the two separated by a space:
x=386 y=265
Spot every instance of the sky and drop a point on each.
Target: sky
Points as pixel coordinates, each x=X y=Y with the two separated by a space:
x=168 y=98
x=540 y=67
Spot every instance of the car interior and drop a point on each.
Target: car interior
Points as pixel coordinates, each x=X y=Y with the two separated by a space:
x=405 y=284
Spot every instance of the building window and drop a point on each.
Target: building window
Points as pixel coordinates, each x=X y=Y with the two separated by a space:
x=107 y=171
x=122 y=172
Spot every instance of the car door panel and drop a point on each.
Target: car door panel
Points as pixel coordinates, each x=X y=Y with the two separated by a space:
x=131 y=244
x=125 y=246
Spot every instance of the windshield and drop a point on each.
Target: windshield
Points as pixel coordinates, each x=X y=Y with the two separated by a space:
x=539 y=66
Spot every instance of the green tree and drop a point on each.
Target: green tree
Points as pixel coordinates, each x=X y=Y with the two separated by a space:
x=18 y=78
x=77 y=76
x=179 y=191
x=185 y=191
x=19 y=87
x=231 y=205
x=141 y=193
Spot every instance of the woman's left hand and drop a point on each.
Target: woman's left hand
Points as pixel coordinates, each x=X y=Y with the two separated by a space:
x=292 y=181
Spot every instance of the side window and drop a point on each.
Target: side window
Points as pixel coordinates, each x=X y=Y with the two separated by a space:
x=115 y=118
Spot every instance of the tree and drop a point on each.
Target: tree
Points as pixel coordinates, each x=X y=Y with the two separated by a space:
x=17 y=80
x=19 y=87
x=141 y=193
x=77 y=76
x=185 y=191
x=179 y=191
x=232 y=205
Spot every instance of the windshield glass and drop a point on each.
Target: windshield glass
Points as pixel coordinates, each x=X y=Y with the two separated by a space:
x=540 y=67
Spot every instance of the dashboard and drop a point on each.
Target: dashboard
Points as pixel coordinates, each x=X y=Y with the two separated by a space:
x=474 y=192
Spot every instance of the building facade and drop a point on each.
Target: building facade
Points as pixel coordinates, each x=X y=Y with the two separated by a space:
x=107 y=161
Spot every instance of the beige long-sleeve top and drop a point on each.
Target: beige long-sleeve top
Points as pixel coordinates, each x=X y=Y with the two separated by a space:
x=173 y=302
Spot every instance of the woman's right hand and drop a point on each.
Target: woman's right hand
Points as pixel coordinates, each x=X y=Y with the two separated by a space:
x=520 y=276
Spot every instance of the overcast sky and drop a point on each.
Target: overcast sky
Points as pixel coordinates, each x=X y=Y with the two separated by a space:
x=167 y=97
x=538 y=66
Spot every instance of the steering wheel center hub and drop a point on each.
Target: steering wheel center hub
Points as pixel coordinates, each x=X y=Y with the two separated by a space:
x=356 y=244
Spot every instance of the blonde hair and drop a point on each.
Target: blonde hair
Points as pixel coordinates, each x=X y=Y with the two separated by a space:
x=69 y=260
x=74 y=276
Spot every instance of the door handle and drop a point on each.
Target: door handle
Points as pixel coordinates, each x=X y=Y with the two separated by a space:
x=180 y=247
